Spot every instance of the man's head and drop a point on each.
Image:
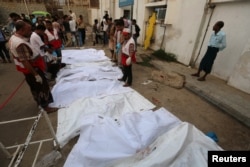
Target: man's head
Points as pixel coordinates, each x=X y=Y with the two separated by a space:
x=218 y=25
x=23 y=28
x=14 y=17
x=133 y=21
x=119 y=25
x=40 y=29
x=126 y=33
x=49 y=25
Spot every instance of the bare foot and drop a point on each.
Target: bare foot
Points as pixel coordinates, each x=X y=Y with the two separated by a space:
x=195 y=75
x=201 y=79
x=50 y=109
x=126 y=85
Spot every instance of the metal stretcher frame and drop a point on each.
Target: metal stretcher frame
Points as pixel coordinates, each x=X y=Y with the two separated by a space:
x=17 y=157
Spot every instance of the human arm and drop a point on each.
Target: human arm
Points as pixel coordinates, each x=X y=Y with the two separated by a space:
x=223 y=43
x=131 y=49
x=24 y=56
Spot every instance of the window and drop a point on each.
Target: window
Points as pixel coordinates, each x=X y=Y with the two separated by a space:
x=94 y=3
x=161 y=13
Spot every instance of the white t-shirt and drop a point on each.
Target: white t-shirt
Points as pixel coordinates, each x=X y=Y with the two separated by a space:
x=72 y=25
x=105 y=25
x=36 y=43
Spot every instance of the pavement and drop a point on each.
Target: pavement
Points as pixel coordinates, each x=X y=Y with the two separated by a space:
x=215 y=90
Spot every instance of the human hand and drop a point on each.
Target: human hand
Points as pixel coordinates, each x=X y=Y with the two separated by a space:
x=118 y=46
x=38 y=79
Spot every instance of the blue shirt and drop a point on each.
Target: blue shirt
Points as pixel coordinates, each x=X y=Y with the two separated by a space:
x=218 y=40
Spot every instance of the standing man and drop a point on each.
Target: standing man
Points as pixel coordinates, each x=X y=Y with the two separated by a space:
x=136 y=31
x=81 y=30
x=128 y=55
x=72 y=26
x=66 y=30
x=54 y=40
x=95 y=32
x=72 y=14
x=30 y=63
x=3 y=50
x=111 y=33
x=36 y=41
x=216 y=43
x=105 y=27
x=118 y=38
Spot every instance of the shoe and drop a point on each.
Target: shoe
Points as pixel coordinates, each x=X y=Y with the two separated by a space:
x=4 y=61
x=126 y=85
x=50 y=109
x=9 y=61
x=120 y=79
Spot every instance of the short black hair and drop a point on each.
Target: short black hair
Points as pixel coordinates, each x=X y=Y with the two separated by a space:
x=48 y=21
x=19 y=24
x=13 y=14
x=220 y=24
x=40 y=27
x=119 y=22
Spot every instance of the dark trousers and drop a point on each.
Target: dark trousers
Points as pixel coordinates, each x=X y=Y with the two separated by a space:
x=208 y=60
x=41 y=92
x=127 y=74
x=4 y=51
x=83 y=34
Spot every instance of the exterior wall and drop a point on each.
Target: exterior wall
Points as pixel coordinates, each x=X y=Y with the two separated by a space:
x=182 y=27
x=240 y=77
x=7 y=7
x=235 y=16
x=78 y=10
x=186 y=29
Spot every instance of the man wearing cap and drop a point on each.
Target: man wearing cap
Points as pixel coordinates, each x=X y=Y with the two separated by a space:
x=128 y=55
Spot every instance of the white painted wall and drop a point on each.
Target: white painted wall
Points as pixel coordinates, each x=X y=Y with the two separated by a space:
x=240 y=77
x=184 y=25
x=237 y=23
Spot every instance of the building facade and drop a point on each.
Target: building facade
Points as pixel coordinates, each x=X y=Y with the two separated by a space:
x=184 y=29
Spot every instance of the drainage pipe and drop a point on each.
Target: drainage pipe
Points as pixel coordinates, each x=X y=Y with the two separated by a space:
x=212 y=7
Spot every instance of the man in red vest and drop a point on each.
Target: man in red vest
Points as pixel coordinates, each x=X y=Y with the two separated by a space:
x=127 y=57
x=31 y=64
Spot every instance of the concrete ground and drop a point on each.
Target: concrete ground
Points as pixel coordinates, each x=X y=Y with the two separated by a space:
x=16 y=103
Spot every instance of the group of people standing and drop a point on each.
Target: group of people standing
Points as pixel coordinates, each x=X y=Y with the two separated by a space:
x=74 y=30
x=121 y=36
x=4 y=53
x=36 y=51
